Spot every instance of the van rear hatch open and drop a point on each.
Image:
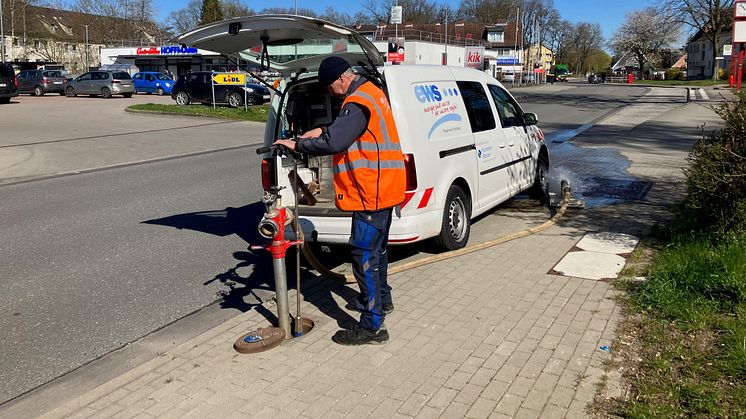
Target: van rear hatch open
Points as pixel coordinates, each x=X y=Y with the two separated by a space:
x=285 y=43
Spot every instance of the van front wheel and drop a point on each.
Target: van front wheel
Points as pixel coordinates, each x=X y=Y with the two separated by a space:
x=540 y=188
x=456 y=224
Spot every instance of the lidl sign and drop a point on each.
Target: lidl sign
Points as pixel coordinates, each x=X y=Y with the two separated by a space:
x=229 y=78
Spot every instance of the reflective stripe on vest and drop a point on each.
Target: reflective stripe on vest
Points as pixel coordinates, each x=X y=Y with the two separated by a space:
x=367 y=164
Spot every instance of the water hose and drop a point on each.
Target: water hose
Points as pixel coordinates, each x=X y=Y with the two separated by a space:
x=349 y=278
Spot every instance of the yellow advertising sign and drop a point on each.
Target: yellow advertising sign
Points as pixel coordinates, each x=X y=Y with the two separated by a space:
x=229 y=78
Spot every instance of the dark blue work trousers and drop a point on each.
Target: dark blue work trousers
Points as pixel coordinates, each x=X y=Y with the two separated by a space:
x=369 y=238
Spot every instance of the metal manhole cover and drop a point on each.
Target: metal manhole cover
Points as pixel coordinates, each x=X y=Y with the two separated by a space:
x=626 y=189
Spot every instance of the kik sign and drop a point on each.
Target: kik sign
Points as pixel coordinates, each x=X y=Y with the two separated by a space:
x=475 y=57
x=229 y=78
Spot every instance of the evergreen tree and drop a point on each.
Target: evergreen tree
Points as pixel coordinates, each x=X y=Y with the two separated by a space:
x=211 y=12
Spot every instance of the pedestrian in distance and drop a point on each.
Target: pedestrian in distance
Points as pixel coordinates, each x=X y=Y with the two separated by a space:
x=369 y=181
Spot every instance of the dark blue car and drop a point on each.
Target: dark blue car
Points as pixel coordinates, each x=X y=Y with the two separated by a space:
x=153 y=82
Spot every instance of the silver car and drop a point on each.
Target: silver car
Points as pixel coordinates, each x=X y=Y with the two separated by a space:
x=103 y=83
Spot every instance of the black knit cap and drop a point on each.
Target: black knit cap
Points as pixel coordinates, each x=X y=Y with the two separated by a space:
x=331 y=68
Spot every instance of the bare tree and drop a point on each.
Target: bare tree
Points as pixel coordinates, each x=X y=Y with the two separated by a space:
x=711 y=17
x=187 y=18
x=578 y=42
x=236 y=8
x=288 y=11
x=643 y=34
x=334 y=16
x=488 y=11
x=413 y=11
x=559 y=38
x=588 y=38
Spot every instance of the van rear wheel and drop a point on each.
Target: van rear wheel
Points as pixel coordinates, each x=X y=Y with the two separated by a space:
x=456 y=224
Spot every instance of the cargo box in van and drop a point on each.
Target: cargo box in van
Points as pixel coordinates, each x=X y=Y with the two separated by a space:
x=468 y=144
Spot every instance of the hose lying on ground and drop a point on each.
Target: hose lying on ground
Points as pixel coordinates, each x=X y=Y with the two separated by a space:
x=349 y=278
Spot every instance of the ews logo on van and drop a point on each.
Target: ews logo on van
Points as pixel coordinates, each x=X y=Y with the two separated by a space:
x=428 y=93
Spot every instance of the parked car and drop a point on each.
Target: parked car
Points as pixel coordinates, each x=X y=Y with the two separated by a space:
x=39 y=82
x=103 y=83
x=531 y=78
x=594 y=78
x=508 y=77
x=197 y=87
x=152 y=82
x=8 y=83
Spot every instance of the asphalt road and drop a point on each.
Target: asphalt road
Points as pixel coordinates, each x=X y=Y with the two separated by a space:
x=95 y=261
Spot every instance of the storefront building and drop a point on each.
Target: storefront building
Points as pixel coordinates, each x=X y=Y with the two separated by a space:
x=176 y=59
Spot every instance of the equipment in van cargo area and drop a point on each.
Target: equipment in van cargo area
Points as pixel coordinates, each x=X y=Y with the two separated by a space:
x=468 y=145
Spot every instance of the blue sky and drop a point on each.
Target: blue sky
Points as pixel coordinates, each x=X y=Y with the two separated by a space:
x=609 y=14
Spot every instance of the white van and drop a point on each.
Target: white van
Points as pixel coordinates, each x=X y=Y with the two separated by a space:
x=468 y=144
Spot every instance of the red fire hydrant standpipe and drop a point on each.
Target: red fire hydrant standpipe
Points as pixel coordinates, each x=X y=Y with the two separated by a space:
x=630 y=78
x=272 y=226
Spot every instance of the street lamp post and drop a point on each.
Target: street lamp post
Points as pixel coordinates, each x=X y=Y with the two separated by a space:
x=86 y=47
x=2 y=34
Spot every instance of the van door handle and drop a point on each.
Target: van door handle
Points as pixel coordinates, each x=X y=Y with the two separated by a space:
x=457 y=150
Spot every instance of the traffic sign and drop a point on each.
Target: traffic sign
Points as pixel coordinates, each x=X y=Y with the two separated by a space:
x=229 y=78
x=396 y=15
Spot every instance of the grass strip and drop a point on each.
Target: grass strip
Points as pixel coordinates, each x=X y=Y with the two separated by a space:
x=682 y=346
x=257 y=113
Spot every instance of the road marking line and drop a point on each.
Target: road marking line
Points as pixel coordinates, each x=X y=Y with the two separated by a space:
x=704 y=95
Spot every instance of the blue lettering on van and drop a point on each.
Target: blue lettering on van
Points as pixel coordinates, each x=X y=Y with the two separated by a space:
x=428 y=93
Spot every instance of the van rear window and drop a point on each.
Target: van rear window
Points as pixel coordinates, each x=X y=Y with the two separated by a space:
x=121 y=75
x=478 y=107
x=53 y=74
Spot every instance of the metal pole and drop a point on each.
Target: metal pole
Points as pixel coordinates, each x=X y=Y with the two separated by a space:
x=397 y=25
x=296 y=7
x=515 y=41
x=2 y=33
x=281 y=290
x=86 y=48
x=445 y=42
x=296 y=220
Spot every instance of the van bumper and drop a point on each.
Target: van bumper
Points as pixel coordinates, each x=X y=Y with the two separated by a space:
x=336 y=230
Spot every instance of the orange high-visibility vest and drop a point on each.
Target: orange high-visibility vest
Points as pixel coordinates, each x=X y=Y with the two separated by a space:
x=370 y=175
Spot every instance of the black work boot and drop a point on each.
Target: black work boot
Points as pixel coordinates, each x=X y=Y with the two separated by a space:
x=361 y=336
x=387 y=307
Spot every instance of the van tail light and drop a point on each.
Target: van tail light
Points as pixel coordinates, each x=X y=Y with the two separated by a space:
x=410 y=172
x=16 y=83
x=116 y=81
x=265 y=174
x=44 y=80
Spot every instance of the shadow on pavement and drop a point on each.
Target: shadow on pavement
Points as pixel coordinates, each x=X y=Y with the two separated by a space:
x=254 y=273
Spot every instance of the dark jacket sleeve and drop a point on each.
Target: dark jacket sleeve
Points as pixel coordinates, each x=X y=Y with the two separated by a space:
x=339 y=136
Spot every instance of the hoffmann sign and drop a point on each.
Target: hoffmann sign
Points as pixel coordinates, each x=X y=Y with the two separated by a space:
x=475 y=57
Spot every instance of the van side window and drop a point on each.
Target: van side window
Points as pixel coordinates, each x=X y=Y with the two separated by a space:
x=477 y=106
x=510 y=113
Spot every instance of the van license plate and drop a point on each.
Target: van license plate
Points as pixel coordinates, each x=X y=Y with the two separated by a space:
x=58 y=82
x=266 y=96
x=3 y=85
